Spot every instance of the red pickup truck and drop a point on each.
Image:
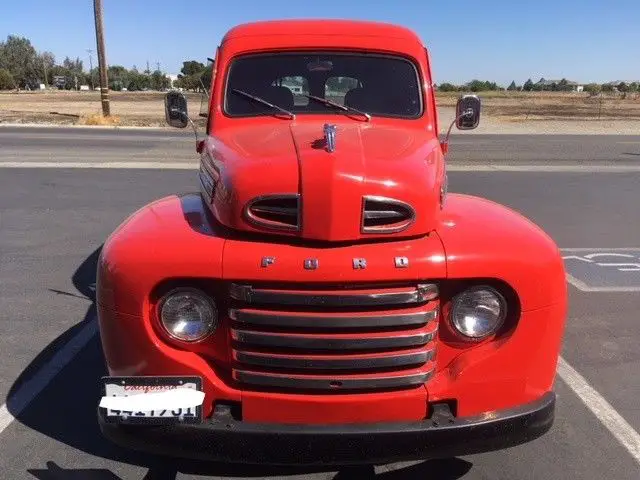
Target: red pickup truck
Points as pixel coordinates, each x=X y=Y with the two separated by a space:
x=320 y=298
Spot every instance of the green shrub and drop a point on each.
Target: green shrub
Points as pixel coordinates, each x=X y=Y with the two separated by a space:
x=7 y=81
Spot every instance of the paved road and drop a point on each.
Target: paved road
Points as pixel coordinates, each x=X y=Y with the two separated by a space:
x=80 y=144
x=52 y=221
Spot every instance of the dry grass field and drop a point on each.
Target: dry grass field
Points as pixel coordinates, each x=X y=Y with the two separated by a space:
x=554 y=105
x=502 y=111
x=145 y=109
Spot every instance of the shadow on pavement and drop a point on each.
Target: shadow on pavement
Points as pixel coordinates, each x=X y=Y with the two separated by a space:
x=55 y=472
x=75 y=424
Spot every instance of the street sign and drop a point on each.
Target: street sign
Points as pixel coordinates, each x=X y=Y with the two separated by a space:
x=603 y=269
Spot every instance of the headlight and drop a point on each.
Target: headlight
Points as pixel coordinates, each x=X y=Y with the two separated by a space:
x=188 y=314
x=478 y=312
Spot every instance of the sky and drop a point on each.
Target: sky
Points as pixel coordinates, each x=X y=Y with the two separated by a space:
x=584 y=41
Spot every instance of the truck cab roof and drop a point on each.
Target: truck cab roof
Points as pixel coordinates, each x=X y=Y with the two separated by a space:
x=322 y=27
x=295 y=34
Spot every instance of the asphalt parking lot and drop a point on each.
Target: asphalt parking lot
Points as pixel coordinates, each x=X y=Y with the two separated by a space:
x=54 y=220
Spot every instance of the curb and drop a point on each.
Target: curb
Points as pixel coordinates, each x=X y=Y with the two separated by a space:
x=83 y=127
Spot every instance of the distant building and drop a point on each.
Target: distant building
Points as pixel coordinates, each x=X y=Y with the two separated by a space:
x=172 y=78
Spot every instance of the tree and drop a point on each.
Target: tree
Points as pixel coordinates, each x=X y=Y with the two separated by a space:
x=73 y=65
x=138 y=81
x=512 y=86
x=623 y=87
x=191 y=67
x=193 y=75
x=528 y=86
x=593 y=89
x=159 y=81
x=634 y=86
x=208 y=73
x=118 y=77
x=481 y=86
x=18 y=56
x=189 y=82
x=607 y=87
x=7 y=81
x=46 y=61
x=563 y=86
x=447 y=87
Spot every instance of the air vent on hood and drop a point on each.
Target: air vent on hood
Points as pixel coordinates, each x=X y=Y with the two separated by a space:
x=279 y=212
x=385 y=215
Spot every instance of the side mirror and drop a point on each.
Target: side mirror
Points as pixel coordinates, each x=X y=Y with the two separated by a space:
x=468 y=112
x=175 y=109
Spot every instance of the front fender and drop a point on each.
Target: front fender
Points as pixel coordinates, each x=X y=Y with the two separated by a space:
x=169 y=238
x=155 y=243
x=483 y=239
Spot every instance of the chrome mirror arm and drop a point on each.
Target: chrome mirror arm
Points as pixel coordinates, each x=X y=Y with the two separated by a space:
x=195 y=129
x=467 y=113
x=193 y=125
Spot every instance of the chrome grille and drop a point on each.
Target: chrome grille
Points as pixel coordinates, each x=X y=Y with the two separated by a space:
x=385 y=215
x=363 y=339
x=277 y=212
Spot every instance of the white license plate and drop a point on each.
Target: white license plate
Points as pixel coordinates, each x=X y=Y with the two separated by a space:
x=128 y=386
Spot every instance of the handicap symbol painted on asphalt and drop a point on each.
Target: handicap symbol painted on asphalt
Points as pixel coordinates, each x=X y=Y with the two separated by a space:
x=603 y=269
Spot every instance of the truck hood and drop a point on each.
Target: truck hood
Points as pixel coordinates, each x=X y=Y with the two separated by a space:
x=374 y=168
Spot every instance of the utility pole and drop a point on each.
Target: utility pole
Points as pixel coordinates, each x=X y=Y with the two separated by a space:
x=89 y=51
x=102 y=61
x=157 y=66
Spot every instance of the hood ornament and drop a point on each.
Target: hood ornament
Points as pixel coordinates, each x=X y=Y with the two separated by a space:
x=330 y=137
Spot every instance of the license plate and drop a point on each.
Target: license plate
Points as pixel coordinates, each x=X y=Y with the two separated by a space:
x=128 y=386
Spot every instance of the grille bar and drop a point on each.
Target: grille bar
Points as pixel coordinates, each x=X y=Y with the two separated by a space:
x=329 y=342
x=364 y=362
x=335 y=298
x=333 y=339
x=332 y=321
x=299 y=382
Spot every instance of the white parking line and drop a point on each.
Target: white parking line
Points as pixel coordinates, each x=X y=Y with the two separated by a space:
x=455 y=167
x=603 y=251
x=580 y=285
x=608 y=416
x=31 y=388
x=604 y=412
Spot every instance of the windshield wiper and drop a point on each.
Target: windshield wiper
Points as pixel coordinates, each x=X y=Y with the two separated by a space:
x=337 y=105
x=264 y=102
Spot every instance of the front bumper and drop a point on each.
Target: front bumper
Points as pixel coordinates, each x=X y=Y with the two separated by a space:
x=226 y=440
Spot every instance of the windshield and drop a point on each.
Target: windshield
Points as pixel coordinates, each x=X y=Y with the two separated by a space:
x=379 y=85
